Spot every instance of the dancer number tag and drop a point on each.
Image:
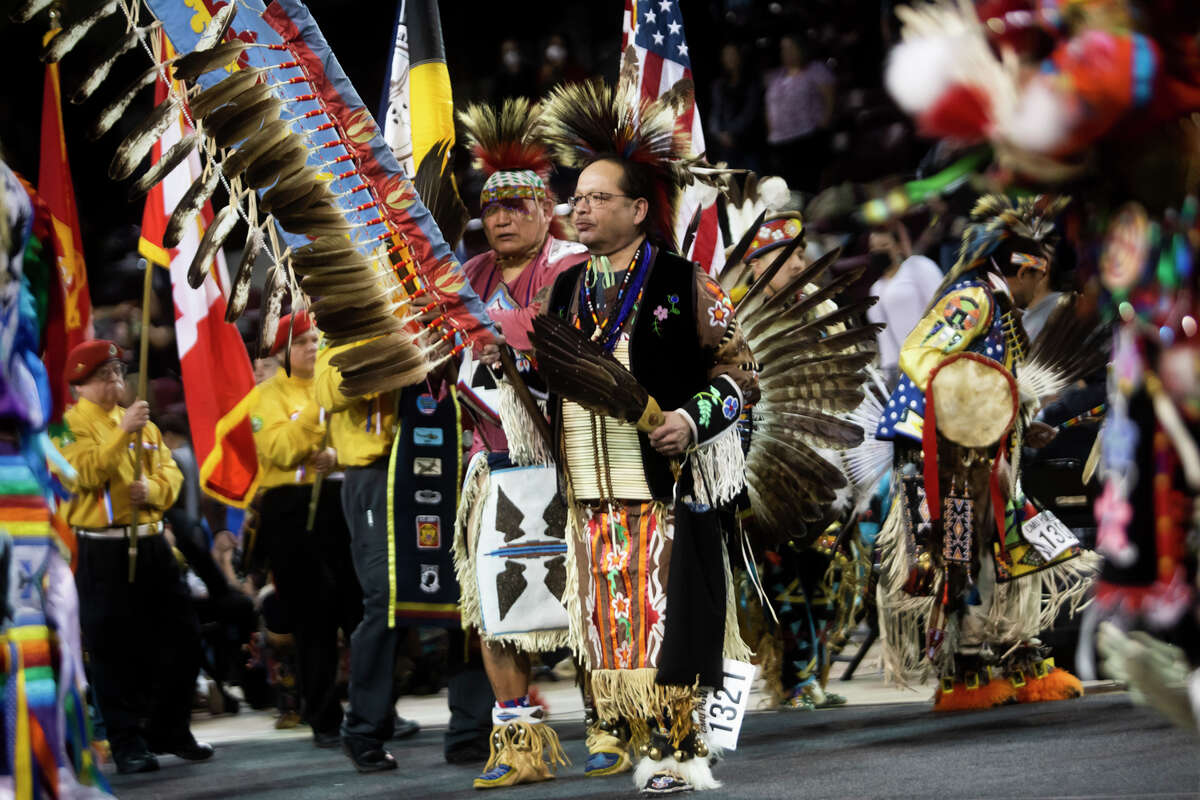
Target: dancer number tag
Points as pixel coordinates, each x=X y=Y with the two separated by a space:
x=1048 y=535
x=722 y=710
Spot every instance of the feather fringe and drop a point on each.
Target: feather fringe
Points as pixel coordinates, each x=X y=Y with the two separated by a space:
x=719 y=469
x=735 y=646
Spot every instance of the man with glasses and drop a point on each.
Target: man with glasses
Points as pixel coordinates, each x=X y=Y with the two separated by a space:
x=141 y=634
x=651 y=596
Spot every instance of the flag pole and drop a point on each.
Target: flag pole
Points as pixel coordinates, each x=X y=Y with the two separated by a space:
x=315 y=500
x=143 y=361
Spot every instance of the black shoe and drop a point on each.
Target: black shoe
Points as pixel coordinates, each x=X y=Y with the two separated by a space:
x=469 y=752
x=404 y=728
x=136 y=761
x=368 y=756
x=190 y=750
x=327 y=740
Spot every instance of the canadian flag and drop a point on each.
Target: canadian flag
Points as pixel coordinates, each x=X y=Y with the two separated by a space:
x=218 y=380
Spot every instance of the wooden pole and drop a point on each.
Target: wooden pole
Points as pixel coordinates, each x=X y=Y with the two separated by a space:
x=143 y=366
x=518 y=383
x=316 y=487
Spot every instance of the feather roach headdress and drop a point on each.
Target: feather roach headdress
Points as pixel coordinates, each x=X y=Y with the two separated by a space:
x=508 y=140
x=996 y=221
x=590 y=121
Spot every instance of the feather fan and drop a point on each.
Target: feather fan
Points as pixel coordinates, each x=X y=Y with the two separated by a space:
x=435 y=186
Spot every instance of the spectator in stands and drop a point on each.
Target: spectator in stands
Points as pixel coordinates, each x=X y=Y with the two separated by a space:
x=799 y=106
x=735 y=115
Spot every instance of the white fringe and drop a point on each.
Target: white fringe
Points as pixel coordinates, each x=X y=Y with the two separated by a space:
x=525 y=445
x=719 y=469
x=1068 y=585
x=695 y=771
x=467 y=521
x=866 y=464
x=735 y=646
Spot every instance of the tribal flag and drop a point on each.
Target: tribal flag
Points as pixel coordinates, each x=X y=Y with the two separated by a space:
x=652 y=36
x=70 y=313
x=218 y=380
x=418 y=108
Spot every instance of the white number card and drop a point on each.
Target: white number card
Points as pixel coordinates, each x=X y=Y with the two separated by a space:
x=722 y=710
x=1048 y=535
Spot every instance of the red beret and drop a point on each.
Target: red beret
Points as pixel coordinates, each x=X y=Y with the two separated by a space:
x=86 y=357
x=302 y=324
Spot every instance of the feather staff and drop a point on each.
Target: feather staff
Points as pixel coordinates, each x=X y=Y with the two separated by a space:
x=161 y=168
x=582 y=371
x=214 y=236
x=70 y=36
x=141 y=139
x=97 y=74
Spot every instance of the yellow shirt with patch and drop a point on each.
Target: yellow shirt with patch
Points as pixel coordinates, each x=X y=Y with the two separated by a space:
x=958 y=319
x=287 y=430
x=361 y=429
x=103 y=455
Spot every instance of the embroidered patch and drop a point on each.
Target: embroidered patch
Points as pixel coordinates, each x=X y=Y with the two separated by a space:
x=718 y=316
x=67 y=437
x=256 y=423
x=707 y=401
x=731 y=407
x=957 y=512
x=427 y=437
x=429 y=532
x=430 y=582
x=426 y=404
x=662 y=312
x=427 y=467
x=427 y=497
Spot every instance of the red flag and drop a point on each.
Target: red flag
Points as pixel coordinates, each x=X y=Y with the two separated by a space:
x=70 y=317
x=655 y=32
x=218 y=381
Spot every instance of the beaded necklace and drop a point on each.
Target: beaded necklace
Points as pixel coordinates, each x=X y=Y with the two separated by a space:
x=608 y=330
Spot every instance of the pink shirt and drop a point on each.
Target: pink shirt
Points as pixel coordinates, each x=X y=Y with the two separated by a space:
x=484 y=274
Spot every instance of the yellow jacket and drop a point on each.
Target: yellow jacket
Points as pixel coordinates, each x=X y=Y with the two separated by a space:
x=361 y=429
x=954 y=322
x=286 y=421
x=103 y=456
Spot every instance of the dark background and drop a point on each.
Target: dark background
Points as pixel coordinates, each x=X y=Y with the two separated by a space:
x=360 y=34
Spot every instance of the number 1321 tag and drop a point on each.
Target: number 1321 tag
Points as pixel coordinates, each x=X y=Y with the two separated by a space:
x=722 y=710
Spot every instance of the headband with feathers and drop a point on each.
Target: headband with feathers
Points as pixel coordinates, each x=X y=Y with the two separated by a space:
x=590 y=121
x=996 y=219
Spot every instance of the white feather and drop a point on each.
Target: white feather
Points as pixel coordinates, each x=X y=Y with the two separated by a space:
x=1041 y=121
x=695 y=771
x=919 y=71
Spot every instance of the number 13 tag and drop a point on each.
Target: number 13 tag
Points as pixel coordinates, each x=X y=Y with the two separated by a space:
x=722 y=710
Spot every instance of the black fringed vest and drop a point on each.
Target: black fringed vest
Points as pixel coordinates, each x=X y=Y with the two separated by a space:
x=669 y=363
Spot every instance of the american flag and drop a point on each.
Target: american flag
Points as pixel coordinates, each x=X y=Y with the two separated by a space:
x=654 y=29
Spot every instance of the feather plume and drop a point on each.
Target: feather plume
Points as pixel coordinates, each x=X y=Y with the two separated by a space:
x=138 y=143
x=581 y=370
x=435 y=186
x=246 y=122
x=267 y=138
x=1074 y=344
x=239 y=294
x=505 y=140
x=220 y=115
x=116 y=109
x=759 y=288
x=272 y=308
x=798 y=283
x=316 y=195
x=287 y=157
x=324 y=249
x=97 y=74
x=296 y=187
x=71 y=35
x=161 y=168
x=28 y=10
x=189 y=206
x=217 y=27
x=214 y=236
x=217 y=95
x=191 y=66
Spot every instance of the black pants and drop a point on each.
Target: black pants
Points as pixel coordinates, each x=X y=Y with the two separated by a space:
x=314 y=581
x=373 y=647
x=142 y=641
